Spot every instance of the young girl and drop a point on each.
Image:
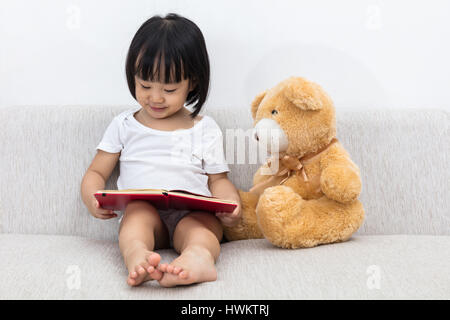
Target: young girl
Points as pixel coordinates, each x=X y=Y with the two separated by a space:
x=167 y=67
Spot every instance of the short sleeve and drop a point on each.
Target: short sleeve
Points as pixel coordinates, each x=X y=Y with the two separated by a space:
x=111 y=138
x=213 y=153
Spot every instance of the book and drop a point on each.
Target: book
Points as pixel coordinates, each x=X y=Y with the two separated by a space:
x=163 y=199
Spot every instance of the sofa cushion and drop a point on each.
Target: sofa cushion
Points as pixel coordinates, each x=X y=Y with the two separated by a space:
x=365 y=267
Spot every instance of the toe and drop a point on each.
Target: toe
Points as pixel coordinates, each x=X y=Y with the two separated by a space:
x=131 y=281
x=170 y=268
x=156 y=275
x=163 y=267
x=183 y=274
x=153 y=259
x=176 y=270
x=140 y=270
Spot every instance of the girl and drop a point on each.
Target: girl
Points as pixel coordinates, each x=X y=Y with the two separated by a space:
x=167 y=66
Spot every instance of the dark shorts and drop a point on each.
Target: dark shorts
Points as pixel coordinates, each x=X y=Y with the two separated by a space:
x=170 y=218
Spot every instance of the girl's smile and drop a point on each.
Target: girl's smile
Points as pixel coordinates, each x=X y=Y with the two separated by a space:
x=157 y=109
x=162 y=100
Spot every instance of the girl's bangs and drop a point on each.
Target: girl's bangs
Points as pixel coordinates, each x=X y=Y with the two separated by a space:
x=163 y=66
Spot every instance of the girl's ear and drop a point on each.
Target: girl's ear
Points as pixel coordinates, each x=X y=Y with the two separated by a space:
x=192 y=85
x=256 y=102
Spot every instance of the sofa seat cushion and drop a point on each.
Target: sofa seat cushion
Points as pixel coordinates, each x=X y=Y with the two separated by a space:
x=365 y=267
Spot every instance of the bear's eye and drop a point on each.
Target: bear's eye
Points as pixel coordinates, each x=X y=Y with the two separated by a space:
x=274 y=111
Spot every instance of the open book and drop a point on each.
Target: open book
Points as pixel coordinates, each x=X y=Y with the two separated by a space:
x=163 y=199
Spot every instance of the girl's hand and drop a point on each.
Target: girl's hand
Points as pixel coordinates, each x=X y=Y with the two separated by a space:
x=101 y=213
x=230 y=219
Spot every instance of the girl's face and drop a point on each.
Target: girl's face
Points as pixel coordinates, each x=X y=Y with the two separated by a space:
x=160 y=100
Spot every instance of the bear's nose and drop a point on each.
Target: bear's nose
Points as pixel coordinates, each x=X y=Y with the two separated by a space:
x=256 y=136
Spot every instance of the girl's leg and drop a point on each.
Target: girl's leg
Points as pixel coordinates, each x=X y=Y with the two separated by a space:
x=141 y=230
x=197 y=238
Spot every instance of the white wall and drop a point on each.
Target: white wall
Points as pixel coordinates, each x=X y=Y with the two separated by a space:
x=365 y=53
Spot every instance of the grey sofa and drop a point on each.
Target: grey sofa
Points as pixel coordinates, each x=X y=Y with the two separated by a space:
x=52 y=248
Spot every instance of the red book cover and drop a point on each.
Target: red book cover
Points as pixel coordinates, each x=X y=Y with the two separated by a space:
x=163 y=199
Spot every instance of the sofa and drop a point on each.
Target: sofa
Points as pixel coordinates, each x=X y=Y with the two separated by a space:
x=52 y=248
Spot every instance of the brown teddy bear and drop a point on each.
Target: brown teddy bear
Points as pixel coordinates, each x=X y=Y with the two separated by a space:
x=306 y=193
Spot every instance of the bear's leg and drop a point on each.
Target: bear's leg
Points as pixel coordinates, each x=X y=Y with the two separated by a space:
x=289 y=221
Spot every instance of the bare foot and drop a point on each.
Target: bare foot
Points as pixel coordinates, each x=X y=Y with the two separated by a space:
x=142 y=266
x=195 y=264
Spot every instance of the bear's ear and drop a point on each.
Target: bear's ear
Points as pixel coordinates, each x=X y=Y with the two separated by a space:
x=304 y=94
x=256 y=102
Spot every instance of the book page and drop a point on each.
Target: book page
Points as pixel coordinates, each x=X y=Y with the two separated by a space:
x=197 y=196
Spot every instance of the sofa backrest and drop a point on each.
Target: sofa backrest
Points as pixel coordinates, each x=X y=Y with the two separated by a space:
x=403 y=156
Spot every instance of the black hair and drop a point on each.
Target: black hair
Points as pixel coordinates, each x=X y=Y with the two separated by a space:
x=180 y=44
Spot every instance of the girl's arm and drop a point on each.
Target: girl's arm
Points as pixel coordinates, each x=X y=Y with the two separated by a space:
x=95 y=179
x=221 y=187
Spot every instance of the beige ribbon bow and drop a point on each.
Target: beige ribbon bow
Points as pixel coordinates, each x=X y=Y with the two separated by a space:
x=288 y=165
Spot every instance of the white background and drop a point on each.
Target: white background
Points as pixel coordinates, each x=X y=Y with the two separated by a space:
x=366 y=54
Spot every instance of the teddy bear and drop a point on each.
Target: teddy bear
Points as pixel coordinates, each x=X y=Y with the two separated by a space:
x=306 y=193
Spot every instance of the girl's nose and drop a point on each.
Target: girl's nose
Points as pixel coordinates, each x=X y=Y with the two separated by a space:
x=156 y=98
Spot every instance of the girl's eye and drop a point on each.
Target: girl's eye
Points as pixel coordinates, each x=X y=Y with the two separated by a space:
x=168 y=91
x=274 y=112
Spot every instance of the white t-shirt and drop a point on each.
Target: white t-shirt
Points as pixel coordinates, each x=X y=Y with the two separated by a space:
x=158 y=159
